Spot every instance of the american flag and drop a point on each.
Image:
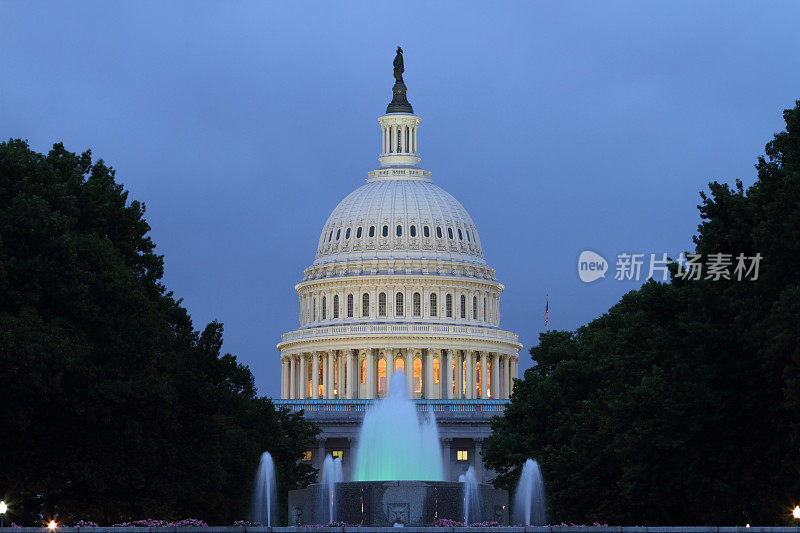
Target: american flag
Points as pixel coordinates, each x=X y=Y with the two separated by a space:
x=546 y=312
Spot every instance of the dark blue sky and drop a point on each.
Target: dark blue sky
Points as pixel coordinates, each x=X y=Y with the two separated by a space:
x=559 y=126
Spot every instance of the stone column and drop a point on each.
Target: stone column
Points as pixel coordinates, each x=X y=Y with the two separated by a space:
x=446 y=458
x=474 y=372
x=303 y=388
x=292 y=377
x=469 y=375
x=447 y=382
x=352 y=374
x=457 y=357
x=409 y=370
x=479 y=460
x=314 y=375
x=283 y=378
x=388 y=356
x=330 y=374
x=503 y=376
x=495 y=375
x=427 y=372
x=486 y=376
x=370 y=381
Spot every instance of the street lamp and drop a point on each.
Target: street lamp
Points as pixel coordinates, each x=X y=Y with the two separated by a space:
x=3 y=509
x=796 y=512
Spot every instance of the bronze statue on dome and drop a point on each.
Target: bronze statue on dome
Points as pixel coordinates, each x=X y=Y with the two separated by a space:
x=398 y=65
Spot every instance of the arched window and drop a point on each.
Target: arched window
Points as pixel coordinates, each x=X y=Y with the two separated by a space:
x=381 y=376
x=399 y=365
x=349 y=306
x=448 y=305
x=417 y=304
x=338 y=233
x=463 y=306
x=382 y=304
x=439 y=231
x=468 y=239
x=358 y=233
x=347 y=234
x=385 y=231
x=398 y=304
x=474 y=308
x=365 y=304
x=433 y=304
x=426 y=231
x=436 y=370
x=314 y=311
x=399 y=230
x=450 y=233
x=336 y=306
x=330 y=237
x=372 y=231
x=484 y=309
x=363 y=376
x=413 y=231
x=417 y=376
x=324 y=306
x=460 y=235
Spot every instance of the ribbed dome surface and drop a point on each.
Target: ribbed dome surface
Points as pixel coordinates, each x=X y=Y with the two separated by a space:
x=399 y=219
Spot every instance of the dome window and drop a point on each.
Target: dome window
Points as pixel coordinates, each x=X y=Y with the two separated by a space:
x=484 y=309
x=468 y=239
x=372 y=231
x=474 y=308
x=450 y=233
x=336 y=306
x=463 y=306
x=338 y=234
x=413 y=231
x=358 y=233
x=330 y=237
x=426 y=231
x=324 y=308
x=448 y=305
x=433 y=304
x=382 y=304
x=398 y=304
x=349 y=306
x=439 y=231
x=365 y=304
x=399 y=230
x=385 y=231
x=460 y=235
x=347 y=234
x=417 y=304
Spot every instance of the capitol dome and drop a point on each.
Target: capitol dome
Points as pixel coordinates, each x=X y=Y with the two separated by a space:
x=399 y=214
x=399 y=282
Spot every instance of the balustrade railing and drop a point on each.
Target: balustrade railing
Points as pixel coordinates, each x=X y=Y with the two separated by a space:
x=400 y=329
x=361 y=405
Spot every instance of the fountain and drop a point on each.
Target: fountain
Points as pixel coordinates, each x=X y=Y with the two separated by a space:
x=472 y=508
x=265 y=495
x=398 y=475
x=330 y=475
x=394 y=444
x=529 y=502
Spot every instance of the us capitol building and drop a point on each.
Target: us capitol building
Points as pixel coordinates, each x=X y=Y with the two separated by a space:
x=399 y=282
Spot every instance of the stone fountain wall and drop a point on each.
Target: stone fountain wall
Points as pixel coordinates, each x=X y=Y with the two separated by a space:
x=384 y=503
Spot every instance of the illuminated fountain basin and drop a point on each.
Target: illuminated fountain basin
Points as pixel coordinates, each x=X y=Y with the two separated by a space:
x=398 y=476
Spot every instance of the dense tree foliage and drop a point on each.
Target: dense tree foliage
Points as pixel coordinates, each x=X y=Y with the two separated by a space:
x=112 y=406
x=681 y=404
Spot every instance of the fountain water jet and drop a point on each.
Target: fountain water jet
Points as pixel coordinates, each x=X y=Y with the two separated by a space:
x=330 y=474
x=529 y=500
x=394 y=445
x=472 y=507
x=265 y=496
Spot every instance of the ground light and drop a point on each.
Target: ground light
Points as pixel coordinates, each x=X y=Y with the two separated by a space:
x=3 y=509
x=52 y=525
x=796 y=512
